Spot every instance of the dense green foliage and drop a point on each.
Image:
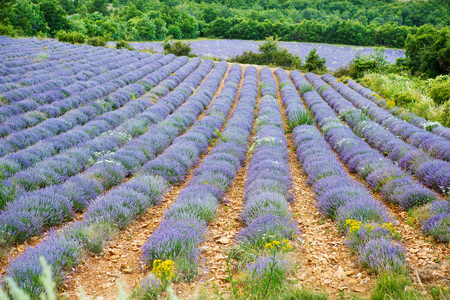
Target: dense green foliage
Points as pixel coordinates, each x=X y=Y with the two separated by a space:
x=428 y=51
x=355 y=22
x=441 y=92
x=374 y=62
x=426 y=98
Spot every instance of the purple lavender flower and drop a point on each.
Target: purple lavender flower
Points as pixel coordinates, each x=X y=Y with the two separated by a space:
x=265 y=203
x=438 y=226
x=175 y=239
x=381 y=255
x=267 y=228
x=414 y=195
x=331 y=200
x=60 y=251
x=265 y=266
x=364 y=210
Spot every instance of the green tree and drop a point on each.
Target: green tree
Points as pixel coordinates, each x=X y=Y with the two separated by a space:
x=142 y=29
x=175 y=32
x=220 y=28
x=428 y=51
x=189 y=27
x=54 y=15
x=28 y=17
x=99 y=6
x=313 y=62
x=208 y=14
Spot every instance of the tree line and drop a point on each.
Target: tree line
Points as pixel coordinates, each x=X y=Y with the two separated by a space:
x=355 y=22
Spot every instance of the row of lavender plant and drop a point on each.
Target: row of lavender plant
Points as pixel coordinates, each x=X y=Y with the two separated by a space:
x=97 y=75
x=296 y=113
x=121 y=205
x=60 y=73
x=62 y=83
x=55 y=126
x=24 y=56
x=410 y=117
x=269 y=226
x=27 y=47
x=54 y=204
x=381 y=173
x=45 y=78
x=436 y=146
x=131 y=119
x=18 y=59
x=196 y=204
x=365 y=220
x=434 y=173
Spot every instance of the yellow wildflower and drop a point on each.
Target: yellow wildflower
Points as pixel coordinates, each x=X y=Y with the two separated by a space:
x=164 y=270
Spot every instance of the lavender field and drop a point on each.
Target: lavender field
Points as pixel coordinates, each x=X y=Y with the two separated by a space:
x=336 y=55
x=156 y=168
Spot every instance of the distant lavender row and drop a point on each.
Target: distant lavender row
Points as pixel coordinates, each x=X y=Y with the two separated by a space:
x=61 y=101
x=338 y=196
x=48 y=70
x=266 y=211
x=110 y=169
x=14 y=65
x=56 y=126
x=67 y=93
x=184 y=225
x=336 y=55
x=120 y=205
x=25 y=158
x=434 y=173
x=434 y=145
x=132 y=120
x=410 y=117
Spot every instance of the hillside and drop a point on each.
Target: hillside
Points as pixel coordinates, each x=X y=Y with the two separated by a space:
x=220 y=180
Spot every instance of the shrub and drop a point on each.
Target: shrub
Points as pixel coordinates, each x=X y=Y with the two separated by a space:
x=270 y=53
x=382 y=255
x=123 y=44
x=313 y=62
x=8 y=29
x=73 y=37
x=441 y=92
x=405 y=98
x=96 y=41
x=178 y=48
x=374 y=62
x=445 y=116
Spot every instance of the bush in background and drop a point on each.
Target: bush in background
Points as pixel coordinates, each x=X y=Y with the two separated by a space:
x=178 y=48
x=96 y=41
x=361 y=64
x=123 y=44
x=313 y=62
x=271 y=54
x=441 y=92
x=73 y=37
